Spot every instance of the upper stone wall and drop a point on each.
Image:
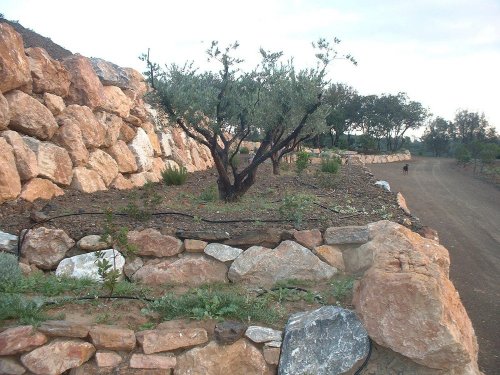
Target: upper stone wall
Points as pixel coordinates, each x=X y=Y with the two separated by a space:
x=81 y=123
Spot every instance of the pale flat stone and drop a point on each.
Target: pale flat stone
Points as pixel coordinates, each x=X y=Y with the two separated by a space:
x=155 y=341
x=85 y=266
x=223 y=253
x=263 y=334
x=152 y=361
x=108 y=359
x=112 y=338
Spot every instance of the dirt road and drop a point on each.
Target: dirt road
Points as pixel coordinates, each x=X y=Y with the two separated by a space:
x=466 y=214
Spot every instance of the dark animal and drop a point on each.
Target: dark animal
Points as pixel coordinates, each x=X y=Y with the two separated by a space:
x=405 y=169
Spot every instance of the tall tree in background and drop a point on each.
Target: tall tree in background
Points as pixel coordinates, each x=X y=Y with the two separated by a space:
x=469 y=126
x=437 y=136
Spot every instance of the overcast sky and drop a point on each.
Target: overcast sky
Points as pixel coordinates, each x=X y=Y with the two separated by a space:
x=443 y=53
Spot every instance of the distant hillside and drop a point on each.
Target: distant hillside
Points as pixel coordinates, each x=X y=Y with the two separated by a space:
x=32 y=39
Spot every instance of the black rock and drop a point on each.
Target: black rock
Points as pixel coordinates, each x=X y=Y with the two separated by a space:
x=229 y=332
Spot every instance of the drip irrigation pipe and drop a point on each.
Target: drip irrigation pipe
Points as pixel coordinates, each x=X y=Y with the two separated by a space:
x=359 y=370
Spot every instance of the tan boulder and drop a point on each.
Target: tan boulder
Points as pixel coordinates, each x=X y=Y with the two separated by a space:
x=48 y=75
x=115 y=101
x=160 y=340
x=26 y=161
x=121 y=183
x=4 y=112
x=194 y=246
x=240 y=358
x=69 y=135
x=133 y=120
x=64 y=328
x=15 y=71
x=190 y=270
x=45 y=248
x=308 y=238
x=20 y=339
x=112 y=124
x=87 y=180
x=29 y=116
x=54 y=103
x=124 y=158
x=137 y=82
x=139 y=179
x=103 y=164
x=143 y=151
x=331 y=255
x=40 y=188
x=93 y=132
x=53 y=161
x=408 y=304
x=112 y=338
x=10 y=182
x=152 y=242
x=127 y=133
x=153 y=137
x=164 y=362
x=108 y=359
x=158 y=167
x=58 y=356
x=11 y=366
x=85 y=88
x=402 y=203
x=139 y=110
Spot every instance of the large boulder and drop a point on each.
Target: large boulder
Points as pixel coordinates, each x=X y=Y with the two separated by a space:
x=15 y=71
x=346 y=235
x=87 y=180
x=48 y=75
x=152 y=242
x=104 y=165
x=143 y=150
x=93 y=132
x=110 y=74
x=265 y=267
x=115 y=101
x=70 y=136
x=58 y=356
x=20 y=339
x=164 y=340
x=121 y=183
x=85 y=265
x=326 y=341
x=136 y=82
x=85 y=88
x=192 y=270
x=29 y=116
x=53 y=161
x=26 y=161
x=10 y=182
x=54 y=103
x=112 y=338
x=45 y=248
x=240 y=358
x=8 y=242
x=40 y=188
x=4 y=112
x=124 y=158
x=221 y=252
x=112 y=124
x=408 y=304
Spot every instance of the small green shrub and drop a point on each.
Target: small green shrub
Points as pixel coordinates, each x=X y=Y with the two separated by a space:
x=302 y=161
x=25 y=311
x=342 y=288
x=463 y=155
x=209 y=194
x=244 y=150
x=330 y=165
x=9 y=269
x=174 y=176
x=294 y=206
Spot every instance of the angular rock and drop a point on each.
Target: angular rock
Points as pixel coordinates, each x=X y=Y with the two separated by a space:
x=8 y=242
x=54 y=103
x=121 y=183
x=136 y=82
x=308 y=238
x=428 y=232
x=15 y=71
x=86 y=180
x=194 y=246
x=346 y=235
x=265 y=267
x=58 y=356
x=159 y=340
x=330 y=255
x=402 y=203
x=45 y=247
x=228 y=332
x=92 y=242
x=152 y=361
x=20 y=339
x=108 y=359
x=85 y=266
x=269 y=238
x=158 y=167
x=131 y=267
x=115 y=101
x=222 y=252
x=26 y=162
x=70 y=136
x=104 y=165
x=384 y=185
x=40 y=188
x=29 y=116
x=408 y=304
x=271 y=355
x=127 y=133
x=143 y=151
x=263 y=334
x=53 y=161
x=209 y=236
x=139 y=179
x=153 y=137
x=110 y=74
x=93 y=132
x=240 y=358
x=112 y=124
x=326 y=341
x=10 y=366
x=10 y=182
x=112 y=338
x=4 y=112
x=191 y=270
x=152 y=242
x=48 y=75
x=85 y=88
x=124 y=158
x=64 y=328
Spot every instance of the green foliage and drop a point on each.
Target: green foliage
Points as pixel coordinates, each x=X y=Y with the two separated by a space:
x=244 y=150
x=330 y=165
x=209 y=194
x=147 y=326
x=174 y=176
x=294 y=207
x=302 y=161
x=126 y=288
x=342 y=288
x=462 y=154
x=149 y=201
x=215 y=303
x=24 y=310
x=489 y=153
x=9 y=269
x=107 y=271
x=117 y=237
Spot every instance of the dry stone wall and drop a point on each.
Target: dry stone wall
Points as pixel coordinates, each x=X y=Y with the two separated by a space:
x=79 y=123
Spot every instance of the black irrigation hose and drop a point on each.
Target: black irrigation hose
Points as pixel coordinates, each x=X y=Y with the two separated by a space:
x=99 y=297
x=358 y=371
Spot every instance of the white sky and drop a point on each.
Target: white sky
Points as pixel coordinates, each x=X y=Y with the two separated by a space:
x=443 y=53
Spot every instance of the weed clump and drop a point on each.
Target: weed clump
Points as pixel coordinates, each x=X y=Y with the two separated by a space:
x=302 y=161
x=174 y=176
x=10 y=271
x=294 y=207
x=330 y=165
